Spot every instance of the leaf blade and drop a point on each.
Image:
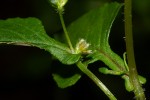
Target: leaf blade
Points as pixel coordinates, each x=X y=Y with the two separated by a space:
x=66 y=82
x=95 y=26
x=30 y=32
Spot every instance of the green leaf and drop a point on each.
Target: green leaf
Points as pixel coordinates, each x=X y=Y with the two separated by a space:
x=30 y=32
x=95 y=28
x=66 y=82
x=95 y=25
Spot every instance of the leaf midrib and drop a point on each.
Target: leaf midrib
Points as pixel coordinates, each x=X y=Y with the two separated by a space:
x=44 y=42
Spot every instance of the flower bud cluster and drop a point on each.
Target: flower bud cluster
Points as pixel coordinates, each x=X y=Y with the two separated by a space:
x=59 y=4
x=82 y=47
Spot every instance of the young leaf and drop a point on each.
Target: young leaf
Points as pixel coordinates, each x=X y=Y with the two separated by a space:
x=66 y=82
x=30 y=32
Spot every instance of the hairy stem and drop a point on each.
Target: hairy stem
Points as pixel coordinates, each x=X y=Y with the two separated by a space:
x=86 y=71
x=133 y=75
x=65 y=30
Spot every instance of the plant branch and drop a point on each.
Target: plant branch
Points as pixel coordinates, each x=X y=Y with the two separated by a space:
x=133 y=75
x=86 y=71
x=65 y=30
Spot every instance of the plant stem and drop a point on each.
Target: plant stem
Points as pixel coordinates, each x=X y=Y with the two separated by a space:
x=133 y=75
x=65 y=30
x=86 y=71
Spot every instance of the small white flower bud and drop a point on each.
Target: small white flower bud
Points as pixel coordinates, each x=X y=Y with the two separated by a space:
x=59 y=4
x=82 y=47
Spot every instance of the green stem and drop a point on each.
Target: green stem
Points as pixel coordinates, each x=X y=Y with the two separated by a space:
x=65 y=30
x=133 y=75
x=86 y=71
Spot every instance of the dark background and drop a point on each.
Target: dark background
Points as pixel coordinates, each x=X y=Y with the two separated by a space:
x=25 y=72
